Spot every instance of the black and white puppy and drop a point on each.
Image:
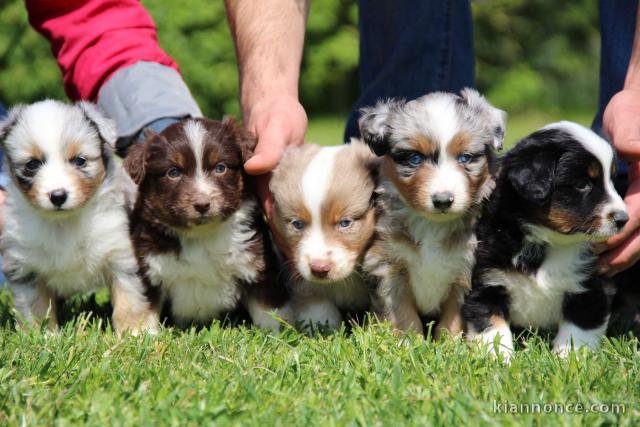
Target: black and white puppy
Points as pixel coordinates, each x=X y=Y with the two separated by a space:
x=198 y=232
x=554 y=196
x=438 y=157
x=66 y=228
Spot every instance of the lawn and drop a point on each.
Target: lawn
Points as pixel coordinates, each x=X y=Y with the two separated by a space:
x=329 y=130
x=240 y=375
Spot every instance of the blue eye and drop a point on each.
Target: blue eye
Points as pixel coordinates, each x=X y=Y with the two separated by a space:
x=345 y=223
x=416 y=159
x=464 y=158
x=174 y=173
x=220 y=167
x=79 y=161
x=297 y=224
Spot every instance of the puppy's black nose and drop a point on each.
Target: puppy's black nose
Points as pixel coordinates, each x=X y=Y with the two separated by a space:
x=202 y=206
x=620 y=219
x=442 y=200
x=58 y=197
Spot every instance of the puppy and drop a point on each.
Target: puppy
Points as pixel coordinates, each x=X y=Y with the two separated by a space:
x=197 y=230
x=324 y=219
x=438 y=158
x=66 y=220
x=534 y=267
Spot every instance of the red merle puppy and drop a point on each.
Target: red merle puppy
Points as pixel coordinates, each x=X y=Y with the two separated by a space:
x=198 y=233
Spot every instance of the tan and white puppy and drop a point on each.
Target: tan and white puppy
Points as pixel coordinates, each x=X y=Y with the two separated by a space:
x=324 y=220
x=66 y=228
x=438 y=157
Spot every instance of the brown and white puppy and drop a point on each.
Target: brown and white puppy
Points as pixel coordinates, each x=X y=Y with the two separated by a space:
x=197 y=230
x=67 y=229
x=324 y=218
x=438 y=157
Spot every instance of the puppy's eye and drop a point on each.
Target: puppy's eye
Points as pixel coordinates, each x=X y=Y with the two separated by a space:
x=583 y=186
x=79 y=161
x=415 y=159
x=464 y=158
x=220 y=168
x=297 y=224
x=344 y=223
x=33 y=165
x=174 y=173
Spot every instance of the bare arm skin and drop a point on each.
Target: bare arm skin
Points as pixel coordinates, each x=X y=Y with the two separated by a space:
x=621 y=123
x=269 y=39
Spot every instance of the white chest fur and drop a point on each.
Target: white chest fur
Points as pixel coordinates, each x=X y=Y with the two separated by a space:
x=203 y=280
x=71 y=254
x=536 y=299
x=434 y=263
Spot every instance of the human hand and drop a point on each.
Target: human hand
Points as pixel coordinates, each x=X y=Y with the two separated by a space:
x=276 y=121
x=620 y=121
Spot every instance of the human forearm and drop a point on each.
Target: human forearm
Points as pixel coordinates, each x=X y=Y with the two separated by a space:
x=269 y=39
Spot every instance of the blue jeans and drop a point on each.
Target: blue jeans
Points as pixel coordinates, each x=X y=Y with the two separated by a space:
x=409 y=48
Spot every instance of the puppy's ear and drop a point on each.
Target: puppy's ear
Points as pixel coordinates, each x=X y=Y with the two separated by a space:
x=6 y=125
x=136 y=161
x=532 y=175
x=105 y=127
x=245 y=140
x=495 y=118
x=375 y=124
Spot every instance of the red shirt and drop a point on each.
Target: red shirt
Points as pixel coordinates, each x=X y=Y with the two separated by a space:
x=92 y=39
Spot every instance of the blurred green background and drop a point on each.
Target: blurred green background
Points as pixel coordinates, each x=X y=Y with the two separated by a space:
x=535 y=59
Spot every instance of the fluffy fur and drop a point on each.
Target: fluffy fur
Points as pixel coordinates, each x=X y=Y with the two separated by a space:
x=66 y=220
x=197 y=230
x=534 y=268
x=438 y=158
x=326 y=208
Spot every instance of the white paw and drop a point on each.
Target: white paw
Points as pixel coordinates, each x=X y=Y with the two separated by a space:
x=271 y=320
x=322 y=314
x=573 y=338
x=498 y=342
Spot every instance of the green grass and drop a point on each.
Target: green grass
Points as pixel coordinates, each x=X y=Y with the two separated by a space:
x=329 y=130
x=240 y=375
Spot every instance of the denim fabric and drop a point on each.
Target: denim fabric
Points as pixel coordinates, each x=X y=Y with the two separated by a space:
x=409 y=48
x=617 y=29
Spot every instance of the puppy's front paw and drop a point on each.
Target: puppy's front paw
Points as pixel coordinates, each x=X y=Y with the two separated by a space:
x=320 y=314
x=498 y=342
x=573 y=338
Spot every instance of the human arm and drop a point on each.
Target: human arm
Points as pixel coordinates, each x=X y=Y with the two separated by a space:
x=269 y=40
